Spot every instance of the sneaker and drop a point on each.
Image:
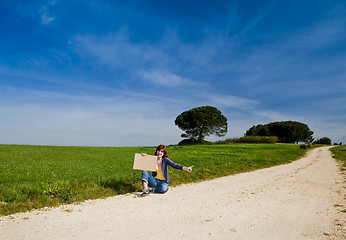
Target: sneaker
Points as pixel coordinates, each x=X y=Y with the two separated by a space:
x=145 y=193
x=151 y=189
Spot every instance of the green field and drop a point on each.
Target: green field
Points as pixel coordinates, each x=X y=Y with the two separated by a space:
x=38 y=176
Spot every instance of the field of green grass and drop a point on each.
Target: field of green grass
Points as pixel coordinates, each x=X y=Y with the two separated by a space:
x=38 y=176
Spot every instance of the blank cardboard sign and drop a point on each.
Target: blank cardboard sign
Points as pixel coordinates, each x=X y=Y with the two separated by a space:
x=147 y=162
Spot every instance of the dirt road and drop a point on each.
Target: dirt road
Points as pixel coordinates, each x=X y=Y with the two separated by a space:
x=300 y=200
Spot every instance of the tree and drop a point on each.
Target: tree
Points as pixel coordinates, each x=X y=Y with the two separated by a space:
x=201 y=122
x=324 y=140
x=286 y=131
x=259 y=130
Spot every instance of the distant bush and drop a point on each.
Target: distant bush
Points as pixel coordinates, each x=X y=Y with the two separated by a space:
x=304 y=146
x=340 y=143
x=226 y=141
x=246 y=139
x=258 y=139
x=251 y=139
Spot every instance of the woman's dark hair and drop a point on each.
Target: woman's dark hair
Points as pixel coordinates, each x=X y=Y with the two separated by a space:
x=162 y=148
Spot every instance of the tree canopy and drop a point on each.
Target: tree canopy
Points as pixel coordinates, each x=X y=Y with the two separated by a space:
x=286 y=131
x=201 y=122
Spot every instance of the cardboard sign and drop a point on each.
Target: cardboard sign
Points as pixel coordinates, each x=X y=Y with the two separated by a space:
x=147 y=162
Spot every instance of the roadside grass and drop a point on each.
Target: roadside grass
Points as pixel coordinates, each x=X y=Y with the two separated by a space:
x=340 y=154
x=39 y=176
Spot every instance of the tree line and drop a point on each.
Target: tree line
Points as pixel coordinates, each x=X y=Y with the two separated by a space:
x=286 y=131
x=201 y=122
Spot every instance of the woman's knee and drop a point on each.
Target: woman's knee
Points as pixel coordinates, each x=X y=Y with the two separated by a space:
x=145 y=177
x=162 y=188
x=165 y=187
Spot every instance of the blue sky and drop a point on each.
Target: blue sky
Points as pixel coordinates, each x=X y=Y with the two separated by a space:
x=118 y=73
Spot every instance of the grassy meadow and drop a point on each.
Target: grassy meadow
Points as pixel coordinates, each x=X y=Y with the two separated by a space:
x=39 y=176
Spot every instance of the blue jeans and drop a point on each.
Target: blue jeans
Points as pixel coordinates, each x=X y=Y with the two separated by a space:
x=159 y=185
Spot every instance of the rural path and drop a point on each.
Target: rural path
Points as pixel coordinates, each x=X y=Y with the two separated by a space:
x=301 y=200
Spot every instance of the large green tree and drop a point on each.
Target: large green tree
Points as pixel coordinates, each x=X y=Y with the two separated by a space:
x=286 y=131
x=324 y=140
x=201 y=122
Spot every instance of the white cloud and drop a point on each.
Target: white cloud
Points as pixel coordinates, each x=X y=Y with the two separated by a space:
x=272 y=116
x=46 y=18
x=166 y=79
x=116 y=51
x=229 y=101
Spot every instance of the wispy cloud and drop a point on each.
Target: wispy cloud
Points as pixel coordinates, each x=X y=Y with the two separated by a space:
x=161 y=64
x=255 y=20
x=45 y=14
x=166 y=79
x=272 y=116
x=228 y=101
x=115 y=50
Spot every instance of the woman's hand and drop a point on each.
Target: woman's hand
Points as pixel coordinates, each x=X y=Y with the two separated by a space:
x=188 y=169
x=143 y=154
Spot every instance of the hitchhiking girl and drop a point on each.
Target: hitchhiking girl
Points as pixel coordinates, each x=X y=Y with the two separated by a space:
x=159 y=180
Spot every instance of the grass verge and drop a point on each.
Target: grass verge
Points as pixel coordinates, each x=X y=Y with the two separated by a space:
x=340 y=154
x=38 y=176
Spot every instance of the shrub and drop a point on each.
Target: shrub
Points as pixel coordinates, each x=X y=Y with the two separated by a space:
x=250 y=139
x=257 y=139
x=226 y=141
x=231 y=140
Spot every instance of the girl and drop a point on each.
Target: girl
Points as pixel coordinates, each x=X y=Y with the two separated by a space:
x=159 y=180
